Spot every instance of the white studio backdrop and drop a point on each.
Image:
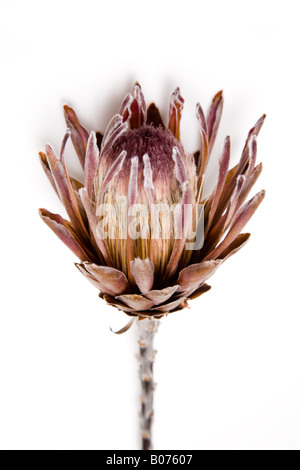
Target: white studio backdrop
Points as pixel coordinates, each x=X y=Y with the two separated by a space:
x=227 y=368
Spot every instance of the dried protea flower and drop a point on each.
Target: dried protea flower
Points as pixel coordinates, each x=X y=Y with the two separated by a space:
x=145 y=235
x=135 y=215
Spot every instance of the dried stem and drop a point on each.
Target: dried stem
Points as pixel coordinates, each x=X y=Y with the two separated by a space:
x=147 y=329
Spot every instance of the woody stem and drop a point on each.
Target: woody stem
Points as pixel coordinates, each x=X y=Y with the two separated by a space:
x=147 y=329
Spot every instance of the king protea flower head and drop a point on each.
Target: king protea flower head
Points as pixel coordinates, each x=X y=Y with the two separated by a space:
x=134 y=216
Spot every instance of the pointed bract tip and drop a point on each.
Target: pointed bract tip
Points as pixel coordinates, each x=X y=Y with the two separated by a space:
x=199 y=111
x=225 y=154
x=43 y=156
x=240 y=178
x=70 y=114
x=67 y=108
x=262 y=193
x=258 y=125
x=92 y=136
x=49 y=148
x=177 y=95
x=82 y=191
x=258 y=198
x=261 y=120
x=218 y=96
x=259 y=167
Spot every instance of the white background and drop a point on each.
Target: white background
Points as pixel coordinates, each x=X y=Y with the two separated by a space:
x=228 y=368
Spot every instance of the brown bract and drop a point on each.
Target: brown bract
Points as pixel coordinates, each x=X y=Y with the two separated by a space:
x=143 y=160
